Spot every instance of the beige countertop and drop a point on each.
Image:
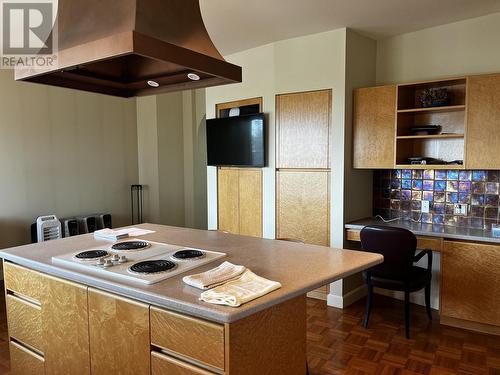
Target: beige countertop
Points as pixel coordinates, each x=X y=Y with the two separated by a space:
x=299 y=268
x=422 y=229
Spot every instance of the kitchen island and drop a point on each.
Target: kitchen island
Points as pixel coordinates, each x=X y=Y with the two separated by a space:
x=68 y=321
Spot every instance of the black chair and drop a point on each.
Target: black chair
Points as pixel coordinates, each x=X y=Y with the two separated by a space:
x=397 y=272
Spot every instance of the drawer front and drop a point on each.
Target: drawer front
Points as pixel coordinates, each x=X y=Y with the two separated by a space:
x=423 y=242
x=25 y=362
x=165 y=365
x=23 y=281
x=25 y=322
x=193 y=338
x=432 y=243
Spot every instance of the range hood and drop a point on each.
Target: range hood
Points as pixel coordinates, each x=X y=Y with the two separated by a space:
x=132 y=48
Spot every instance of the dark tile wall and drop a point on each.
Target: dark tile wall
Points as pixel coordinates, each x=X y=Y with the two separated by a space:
x=398 y=193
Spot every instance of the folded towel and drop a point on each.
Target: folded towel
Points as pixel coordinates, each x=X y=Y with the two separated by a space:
x=216 y=276
x=244 y=289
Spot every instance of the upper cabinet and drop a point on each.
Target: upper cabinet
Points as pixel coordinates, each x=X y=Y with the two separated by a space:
x=483 y=125
x=303 y=129
x=373 y=127
x=462 y=116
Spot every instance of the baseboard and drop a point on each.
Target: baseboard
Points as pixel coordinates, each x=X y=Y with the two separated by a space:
x=468 y=325
x=317 y=295
x=341 y=302
x=416 y=298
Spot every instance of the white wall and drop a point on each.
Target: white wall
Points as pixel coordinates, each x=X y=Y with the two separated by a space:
x=62 y=152
x=465 y=47
x=301 y=64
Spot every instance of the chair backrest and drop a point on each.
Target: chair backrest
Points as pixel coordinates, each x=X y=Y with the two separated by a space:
x=398 y=247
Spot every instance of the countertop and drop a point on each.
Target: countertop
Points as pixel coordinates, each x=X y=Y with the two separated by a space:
x=299 y=268
x=420 y=229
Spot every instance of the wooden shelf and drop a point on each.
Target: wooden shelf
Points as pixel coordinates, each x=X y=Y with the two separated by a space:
x=429 y=166
x=434 y=136
x=447 y=108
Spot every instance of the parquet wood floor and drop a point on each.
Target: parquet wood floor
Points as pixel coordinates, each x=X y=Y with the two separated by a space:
x=338 y=344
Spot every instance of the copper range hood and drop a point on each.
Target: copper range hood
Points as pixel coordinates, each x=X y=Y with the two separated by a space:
x=124 y=47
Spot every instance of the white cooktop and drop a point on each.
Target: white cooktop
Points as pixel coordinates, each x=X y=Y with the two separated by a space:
x=120 y=269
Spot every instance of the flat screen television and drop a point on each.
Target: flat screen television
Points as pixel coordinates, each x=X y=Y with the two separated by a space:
x=237 y=141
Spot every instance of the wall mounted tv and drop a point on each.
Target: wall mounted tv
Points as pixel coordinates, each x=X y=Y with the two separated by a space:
x=237 y=141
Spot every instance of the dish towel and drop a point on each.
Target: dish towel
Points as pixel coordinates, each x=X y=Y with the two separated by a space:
x=244 y=289
x=216 y=276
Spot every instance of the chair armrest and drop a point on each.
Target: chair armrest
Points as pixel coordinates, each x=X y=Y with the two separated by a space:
x=423 y=253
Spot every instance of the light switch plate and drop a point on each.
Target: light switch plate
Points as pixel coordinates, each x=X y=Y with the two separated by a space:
x=425 y=207
x=460 y=209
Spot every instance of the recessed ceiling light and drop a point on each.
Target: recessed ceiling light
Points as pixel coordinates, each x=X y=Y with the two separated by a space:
x=193 y=77
x=153 y=84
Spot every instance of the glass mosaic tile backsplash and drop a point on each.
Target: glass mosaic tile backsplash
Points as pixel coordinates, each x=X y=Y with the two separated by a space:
x=399 y=193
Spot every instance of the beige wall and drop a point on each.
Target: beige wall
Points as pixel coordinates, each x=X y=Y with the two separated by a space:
x=62 y=152
x=171 y=139
x=466 y=47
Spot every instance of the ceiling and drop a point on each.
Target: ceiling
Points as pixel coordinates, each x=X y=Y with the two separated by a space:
x=237 y=25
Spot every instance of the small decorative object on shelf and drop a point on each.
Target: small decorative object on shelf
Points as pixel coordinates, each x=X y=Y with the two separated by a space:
x=425 y=130
x=420 y=160
x=434 y=97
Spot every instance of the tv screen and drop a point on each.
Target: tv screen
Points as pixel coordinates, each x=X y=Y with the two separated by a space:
x=237 y=141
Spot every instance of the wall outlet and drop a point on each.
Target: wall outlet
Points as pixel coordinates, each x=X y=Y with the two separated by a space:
x=425 y=207
x=460 y=209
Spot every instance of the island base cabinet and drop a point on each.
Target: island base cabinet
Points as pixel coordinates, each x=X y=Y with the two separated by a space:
x=270 y=342
x=88 y=331
x=65 y=327
x=119 y=335
x=470 y=286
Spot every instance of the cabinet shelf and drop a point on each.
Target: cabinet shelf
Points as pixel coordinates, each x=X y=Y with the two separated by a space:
x=431 y=136
x=429 y=166
x=447 y=108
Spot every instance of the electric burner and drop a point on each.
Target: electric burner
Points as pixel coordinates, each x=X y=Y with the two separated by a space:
x=130 y=245
x=152 y=266
x=188 y=254
x=91 y=255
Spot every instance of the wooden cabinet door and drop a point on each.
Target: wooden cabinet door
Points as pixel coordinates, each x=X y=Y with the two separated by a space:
x=303 y=206
x=65 y=327
x=228 y=200
x=374 y=124
x=240 y=201
x=303 y=129
x=470 y=286
x=119 y=335
x=483 y=122
x=250 y=203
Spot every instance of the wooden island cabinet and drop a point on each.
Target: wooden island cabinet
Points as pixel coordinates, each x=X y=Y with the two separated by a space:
x=60 y=327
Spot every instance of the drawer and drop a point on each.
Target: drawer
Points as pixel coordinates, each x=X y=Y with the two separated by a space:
x=25 y=322
x=23 y=281
x=432 y=243
x=190 y=337
x=164 y=365
x=423 y=242
x=25 y=362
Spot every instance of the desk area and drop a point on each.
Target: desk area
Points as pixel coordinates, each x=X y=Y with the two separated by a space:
x=466 y=300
